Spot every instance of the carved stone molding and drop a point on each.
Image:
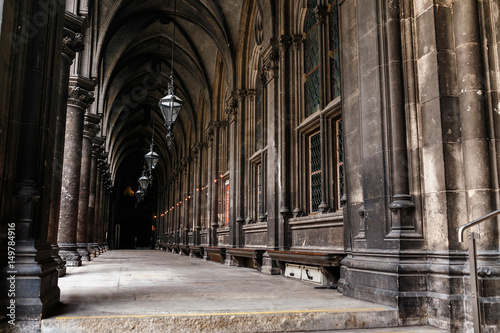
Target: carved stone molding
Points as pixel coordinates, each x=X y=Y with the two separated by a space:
x=71 y=45
x=270 y=63
x=80 y=97
x=209 y=131
x=251 y=94
x=321 y=12
x=284 y=43
x=232 y=105
x=91 y=125
x=297 y=40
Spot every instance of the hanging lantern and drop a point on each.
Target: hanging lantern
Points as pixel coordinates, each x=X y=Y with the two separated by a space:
x=139 y=194
x=170 y=106
x=144 y=182
x=151 y=159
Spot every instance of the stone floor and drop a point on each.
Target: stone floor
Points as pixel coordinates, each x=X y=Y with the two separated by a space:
x=156 y=291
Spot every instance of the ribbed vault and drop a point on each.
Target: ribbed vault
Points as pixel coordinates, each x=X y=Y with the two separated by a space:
x=133 y=63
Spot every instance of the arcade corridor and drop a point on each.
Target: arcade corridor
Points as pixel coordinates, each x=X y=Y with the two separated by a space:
x=342 y=143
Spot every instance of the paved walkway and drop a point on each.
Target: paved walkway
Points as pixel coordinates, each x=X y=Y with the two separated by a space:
x=156 y=291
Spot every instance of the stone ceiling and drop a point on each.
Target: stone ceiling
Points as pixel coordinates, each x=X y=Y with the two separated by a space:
x=132 y=59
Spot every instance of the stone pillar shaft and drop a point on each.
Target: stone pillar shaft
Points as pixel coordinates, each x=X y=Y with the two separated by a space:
x=475 y=142
x=30 y=69
x=72 y=42
x=90 y=128
x=91 y=206
x=284 y=150
x=79 y=99
x=96 y=210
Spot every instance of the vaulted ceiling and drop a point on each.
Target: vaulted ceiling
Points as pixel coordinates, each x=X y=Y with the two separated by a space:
x=133 y=61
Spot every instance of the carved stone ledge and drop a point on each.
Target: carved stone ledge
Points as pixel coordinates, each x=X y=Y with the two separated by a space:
x=80 y=97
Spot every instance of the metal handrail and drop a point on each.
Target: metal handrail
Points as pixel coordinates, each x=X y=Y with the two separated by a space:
x=473 y=223
x=476 y=304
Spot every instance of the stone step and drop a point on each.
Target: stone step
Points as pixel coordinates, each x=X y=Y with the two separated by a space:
x=266 y=321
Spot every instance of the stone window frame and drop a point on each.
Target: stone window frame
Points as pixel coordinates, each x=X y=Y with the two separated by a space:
x=328 y=133
x=258 y=214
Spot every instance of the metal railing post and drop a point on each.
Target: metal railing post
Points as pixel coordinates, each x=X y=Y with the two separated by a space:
x=474 y=286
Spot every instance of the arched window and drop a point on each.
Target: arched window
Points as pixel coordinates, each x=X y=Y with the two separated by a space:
x=311 y=59
x=322 y=131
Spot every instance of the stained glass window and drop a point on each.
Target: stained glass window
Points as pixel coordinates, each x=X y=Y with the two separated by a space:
x=334 y=49
x=310 y=16
x=311 y=59
x=311 y=47
x=312 y=92
x=315 y=170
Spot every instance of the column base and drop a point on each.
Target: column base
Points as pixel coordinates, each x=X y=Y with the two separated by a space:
x=83 y=251
x=35 y=280
x=61 y=271
x=269 y=266
x=95 y=248
x=71 y=256
x=91 y=251
x=61 y=264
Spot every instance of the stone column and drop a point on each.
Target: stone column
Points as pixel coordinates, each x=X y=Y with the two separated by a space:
x=72 y=43
x=474 y=130
x=95 y=230
x=242 y=169
x=321 y=13
x=272 y=169
x=79 y=100
x=29 y=75
x=91 y=126
x=232 y=112
x=103 y=210
x=196 y=192
x=211 y=215
x=284 y=150
x=296 y=170
x=401 y=205
x=91 y=204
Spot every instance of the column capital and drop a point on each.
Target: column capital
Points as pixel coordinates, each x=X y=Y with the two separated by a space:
x=71 y=44
x=251 y=94
x=91 y=125
x=80 y=97
x=321 y=13
x=270 y=57
x=297 y=40
x=232 y=105
x=209 y=131
x=284 y=43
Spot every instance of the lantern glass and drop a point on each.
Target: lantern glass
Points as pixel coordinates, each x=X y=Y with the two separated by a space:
x=138 y=194
x=144 y=182
x=151 y=159
x=170 y=106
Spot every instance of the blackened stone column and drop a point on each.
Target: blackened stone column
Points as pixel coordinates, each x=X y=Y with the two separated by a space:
x=101 y=230
x=284 y=149
x=241 y=167
x=95 y=231
x=79 y=100
x=232 y=111
x=29 y=75
x=91 y=205
x=273 y=164
x=91 y=126
x=72 y=43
